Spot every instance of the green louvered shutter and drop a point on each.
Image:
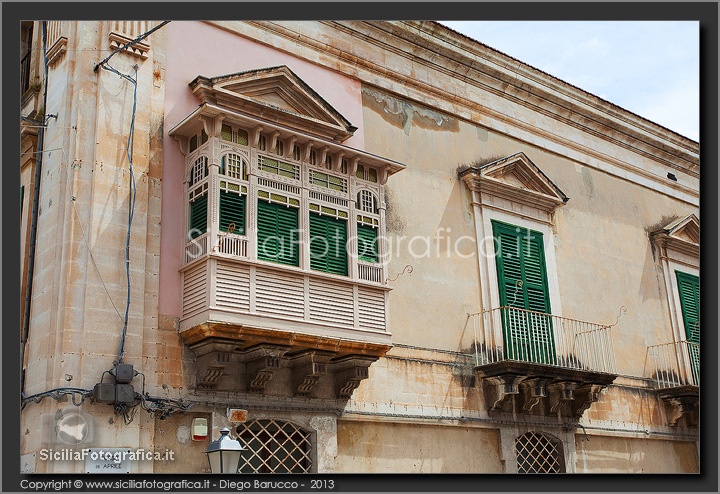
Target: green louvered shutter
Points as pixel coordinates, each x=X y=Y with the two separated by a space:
x=277 y=233
x=328 y=238
x=198 y=216
x=520 y=257
x=232 y=210
x=689 y=291
x=367 y=243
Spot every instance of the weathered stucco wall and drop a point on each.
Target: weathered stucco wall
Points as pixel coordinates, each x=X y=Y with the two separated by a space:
x=376 y=447
x=604 y=454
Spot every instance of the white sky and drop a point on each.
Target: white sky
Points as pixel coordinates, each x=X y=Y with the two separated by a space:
x=650 y=68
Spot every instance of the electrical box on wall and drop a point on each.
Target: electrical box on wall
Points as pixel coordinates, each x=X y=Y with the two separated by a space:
x=104 y=392
x=199 y=429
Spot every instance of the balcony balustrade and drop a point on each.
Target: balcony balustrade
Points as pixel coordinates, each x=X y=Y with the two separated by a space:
x=532 y=362
x=675 y=370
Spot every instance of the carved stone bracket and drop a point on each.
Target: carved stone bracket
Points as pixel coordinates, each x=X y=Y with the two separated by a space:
x=681 y=401
x=349 y=371
x=500 y=392
x=307 y=368
x=537 y=389
x=261 y=362
x=212 y=358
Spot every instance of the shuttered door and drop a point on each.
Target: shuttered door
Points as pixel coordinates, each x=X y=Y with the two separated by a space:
x=198 y=216
x=367 y=243
x=232 y=211
x=328 y=237
x=520 y=257
x=689 y=291
x=277 y=233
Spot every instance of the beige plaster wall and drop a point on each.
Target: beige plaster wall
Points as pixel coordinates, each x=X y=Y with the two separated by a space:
x=605 y=454
x=604 y=256
x=376 y=447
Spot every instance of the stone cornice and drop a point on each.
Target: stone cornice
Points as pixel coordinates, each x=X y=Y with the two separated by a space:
x=504 y=77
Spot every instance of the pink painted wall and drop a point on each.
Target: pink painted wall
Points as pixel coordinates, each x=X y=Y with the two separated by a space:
x=196 y=48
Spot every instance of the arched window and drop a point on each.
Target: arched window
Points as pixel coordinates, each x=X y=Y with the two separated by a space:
x=233 y=166
x=538 y=452
x=274 y=446
x=367 y=202
x=198 y=171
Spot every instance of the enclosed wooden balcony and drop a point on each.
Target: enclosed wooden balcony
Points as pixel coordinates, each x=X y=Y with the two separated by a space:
x=675 y=370
x=247 y=320
x=541 y=364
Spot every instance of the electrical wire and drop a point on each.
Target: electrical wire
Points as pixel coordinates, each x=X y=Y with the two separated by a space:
x=92 y=258
x=133 y=190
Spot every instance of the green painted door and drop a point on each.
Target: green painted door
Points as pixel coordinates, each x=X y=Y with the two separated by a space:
x=689 y=291
x=522 y=280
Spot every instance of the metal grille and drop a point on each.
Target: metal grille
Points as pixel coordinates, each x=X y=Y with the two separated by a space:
x=537 y=453
x=273 y=446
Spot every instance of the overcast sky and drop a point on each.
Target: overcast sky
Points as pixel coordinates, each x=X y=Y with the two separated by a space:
x=648 y=67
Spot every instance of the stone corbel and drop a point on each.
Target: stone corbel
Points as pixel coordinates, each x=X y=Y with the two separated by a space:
x=261 y=362
x=210 y=367
x=500 y=392
x=683 y=406
x=255 y=136
x=307 y=369
x=349 y=371
x=561 y=393
x=217 y=131
x=585 y=396
x=534 y=391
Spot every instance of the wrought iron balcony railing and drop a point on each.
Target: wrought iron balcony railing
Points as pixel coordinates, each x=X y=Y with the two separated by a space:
x=675 y=364
x=510 y=333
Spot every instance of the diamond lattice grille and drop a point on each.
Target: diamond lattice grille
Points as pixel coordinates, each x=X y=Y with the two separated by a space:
x=272 y=446
x=536 y=453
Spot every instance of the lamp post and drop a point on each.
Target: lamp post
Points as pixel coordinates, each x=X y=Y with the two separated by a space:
x=224 y=453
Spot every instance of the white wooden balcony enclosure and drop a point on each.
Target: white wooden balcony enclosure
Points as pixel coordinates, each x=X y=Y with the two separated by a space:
x=537 y=363
x=675 y=370
x=264 y=308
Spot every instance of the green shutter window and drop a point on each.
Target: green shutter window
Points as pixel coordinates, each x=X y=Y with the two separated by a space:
x=277 y=233
x=689 y=291
x=232 y=211
x=328 y=238
x=367 y=243
x=522 y=280
x=198 y=216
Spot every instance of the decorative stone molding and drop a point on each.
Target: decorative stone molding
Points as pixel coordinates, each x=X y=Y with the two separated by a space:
x=512 y=387
x=123 y=32
x=275 y=93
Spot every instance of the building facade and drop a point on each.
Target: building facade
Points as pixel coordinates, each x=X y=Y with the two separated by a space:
x=366 y=247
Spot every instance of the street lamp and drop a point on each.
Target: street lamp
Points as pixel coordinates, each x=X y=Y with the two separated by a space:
x=224 y=453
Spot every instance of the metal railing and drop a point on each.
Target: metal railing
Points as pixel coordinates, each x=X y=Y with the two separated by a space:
x=675 y=364
x=510 y=333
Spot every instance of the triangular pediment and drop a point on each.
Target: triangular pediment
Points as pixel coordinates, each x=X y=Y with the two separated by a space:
x=276 y=94
x=686 y=229
x=517 y=179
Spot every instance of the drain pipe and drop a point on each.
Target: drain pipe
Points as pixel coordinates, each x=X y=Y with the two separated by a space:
x=34 y=220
